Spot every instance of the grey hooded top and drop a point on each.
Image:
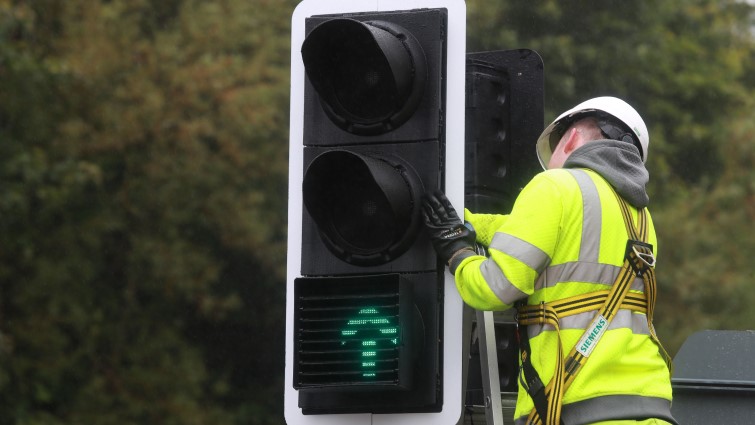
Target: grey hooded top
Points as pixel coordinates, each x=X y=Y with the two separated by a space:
x=617 y=162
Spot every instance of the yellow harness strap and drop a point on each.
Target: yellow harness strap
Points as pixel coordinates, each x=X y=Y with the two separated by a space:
x=639 y=261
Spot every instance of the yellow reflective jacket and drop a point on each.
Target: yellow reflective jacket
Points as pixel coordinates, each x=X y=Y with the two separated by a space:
x=565 y=237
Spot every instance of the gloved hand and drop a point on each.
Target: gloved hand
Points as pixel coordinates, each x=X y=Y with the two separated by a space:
x=452 y=240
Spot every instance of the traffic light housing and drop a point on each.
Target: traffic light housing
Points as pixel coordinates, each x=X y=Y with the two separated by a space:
x=371 y=149
x=504 y=118
x=373 y=318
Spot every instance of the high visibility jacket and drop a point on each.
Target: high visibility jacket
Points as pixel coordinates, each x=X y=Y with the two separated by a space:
x=565 y=237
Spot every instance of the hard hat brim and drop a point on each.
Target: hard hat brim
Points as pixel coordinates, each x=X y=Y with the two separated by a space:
x=544 y=150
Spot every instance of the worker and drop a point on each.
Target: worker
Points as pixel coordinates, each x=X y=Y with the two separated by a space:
x=576 y=257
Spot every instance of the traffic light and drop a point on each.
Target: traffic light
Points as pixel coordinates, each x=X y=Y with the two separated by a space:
x=504 y=118
x=374 y=326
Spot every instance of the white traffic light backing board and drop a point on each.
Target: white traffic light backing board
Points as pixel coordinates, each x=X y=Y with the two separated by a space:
x=453 y=345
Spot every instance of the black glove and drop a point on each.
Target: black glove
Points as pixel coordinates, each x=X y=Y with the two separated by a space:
x=452 y=240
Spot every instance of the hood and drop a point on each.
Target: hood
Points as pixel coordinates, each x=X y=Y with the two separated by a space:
x=617 y=162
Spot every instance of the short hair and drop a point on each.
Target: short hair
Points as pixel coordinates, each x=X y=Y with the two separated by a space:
x=595 y=126
x=588 y=124
x=589 y=128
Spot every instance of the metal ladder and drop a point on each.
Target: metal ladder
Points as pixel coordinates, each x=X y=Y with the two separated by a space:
x=497 y=407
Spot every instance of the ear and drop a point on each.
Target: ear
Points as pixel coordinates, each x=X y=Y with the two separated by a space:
x=573 y=141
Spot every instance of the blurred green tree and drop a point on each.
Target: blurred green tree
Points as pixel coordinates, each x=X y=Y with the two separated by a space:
x=143 y=210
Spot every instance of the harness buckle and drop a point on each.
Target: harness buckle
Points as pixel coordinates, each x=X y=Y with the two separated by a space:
x=640 y=256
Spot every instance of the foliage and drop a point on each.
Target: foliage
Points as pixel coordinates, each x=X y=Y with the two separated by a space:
x=707 y=245
x=142 y=205
x=143 y=169
x=685 y=65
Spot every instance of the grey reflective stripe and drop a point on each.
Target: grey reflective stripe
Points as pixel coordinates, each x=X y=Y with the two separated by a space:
x=636 y=322
x=603 y=274
x=534 y=257
x=499 y=284
x=613 y=407
x=589 y=248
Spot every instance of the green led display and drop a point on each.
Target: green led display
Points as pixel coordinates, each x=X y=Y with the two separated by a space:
x=373 y=336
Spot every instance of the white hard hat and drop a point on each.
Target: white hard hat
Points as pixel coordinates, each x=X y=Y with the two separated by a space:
x=612 y=107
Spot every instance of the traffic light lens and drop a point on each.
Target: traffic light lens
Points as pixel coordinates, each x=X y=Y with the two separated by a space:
x=354 y=331
x=374 y=334
x=366 y=208
x=363 y=84
x=362 y=215
x=370 y=75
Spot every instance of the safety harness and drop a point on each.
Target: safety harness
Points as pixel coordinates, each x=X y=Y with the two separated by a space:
x=638 y=261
